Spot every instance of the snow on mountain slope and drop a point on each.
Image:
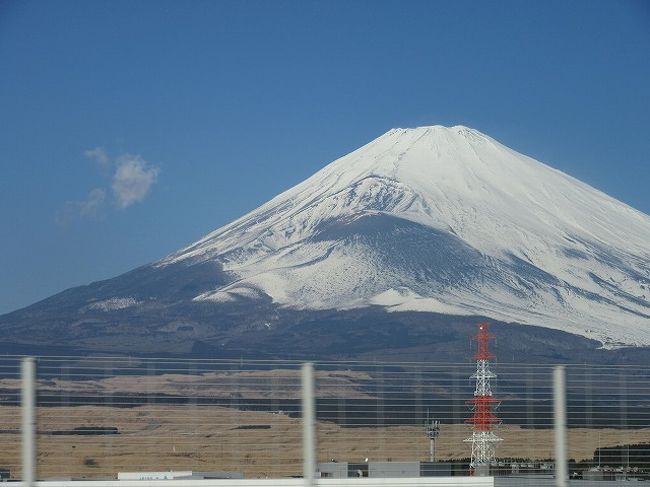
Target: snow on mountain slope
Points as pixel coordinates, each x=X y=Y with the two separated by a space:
x=445 y=220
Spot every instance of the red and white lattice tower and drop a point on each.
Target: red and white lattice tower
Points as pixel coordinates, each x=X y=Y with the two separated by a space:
x=483 y=419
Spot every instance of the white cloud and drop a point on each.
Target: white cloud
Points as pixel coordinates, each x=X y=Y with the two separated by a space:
x=91 y=205
x=88 y=208
x=98 y=155
x=132 y=180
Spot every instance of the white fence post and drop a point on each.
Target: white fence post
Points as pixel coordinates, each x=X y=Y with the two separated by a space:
x=308 y=425
x=28 y=400
x=559 y=415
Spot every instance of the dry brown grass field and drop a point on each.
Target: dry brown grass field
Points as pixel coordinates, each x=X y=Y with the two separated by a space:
x=255 y=443
x=256 y=384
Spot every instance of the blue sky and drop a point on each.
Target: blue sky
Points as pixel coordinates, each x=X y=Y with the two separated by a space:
x=131 y=128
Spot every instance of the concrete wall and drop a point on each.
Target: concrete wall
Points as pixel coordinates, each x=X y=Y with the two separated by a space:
x=391 y=470
x=532 y=481
x=332 y=470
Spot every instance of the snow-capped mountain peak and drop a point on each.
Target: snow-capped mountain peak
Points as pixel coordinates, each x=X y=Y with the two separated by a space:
x=445 y=220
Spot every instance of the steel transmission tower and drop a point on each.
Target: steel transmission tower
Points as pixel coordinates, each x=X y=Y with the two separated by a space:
x=483 y=419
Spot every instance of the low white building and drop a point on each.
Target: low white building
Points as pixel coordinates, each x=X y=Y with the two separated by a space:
x=178 y=475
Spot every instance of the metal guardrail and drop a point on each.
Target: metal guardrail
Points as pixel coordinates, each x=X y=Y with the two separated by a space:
x=99 y=416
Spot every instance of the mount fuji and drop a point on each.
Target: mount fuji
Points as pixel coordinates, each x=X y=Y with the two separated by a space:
x=425 y=225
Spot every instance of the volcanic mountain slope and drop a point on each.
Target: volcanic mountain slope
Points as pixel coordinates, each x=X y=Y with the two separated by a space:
x=431 y=220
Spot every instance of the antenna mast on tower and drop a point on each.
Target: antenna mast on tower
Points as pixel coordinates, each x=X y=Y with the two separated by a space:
x=483 y=419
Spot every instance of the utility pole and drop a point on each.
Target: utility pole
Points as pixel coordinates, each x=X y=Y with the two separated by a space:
x=433 y=431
